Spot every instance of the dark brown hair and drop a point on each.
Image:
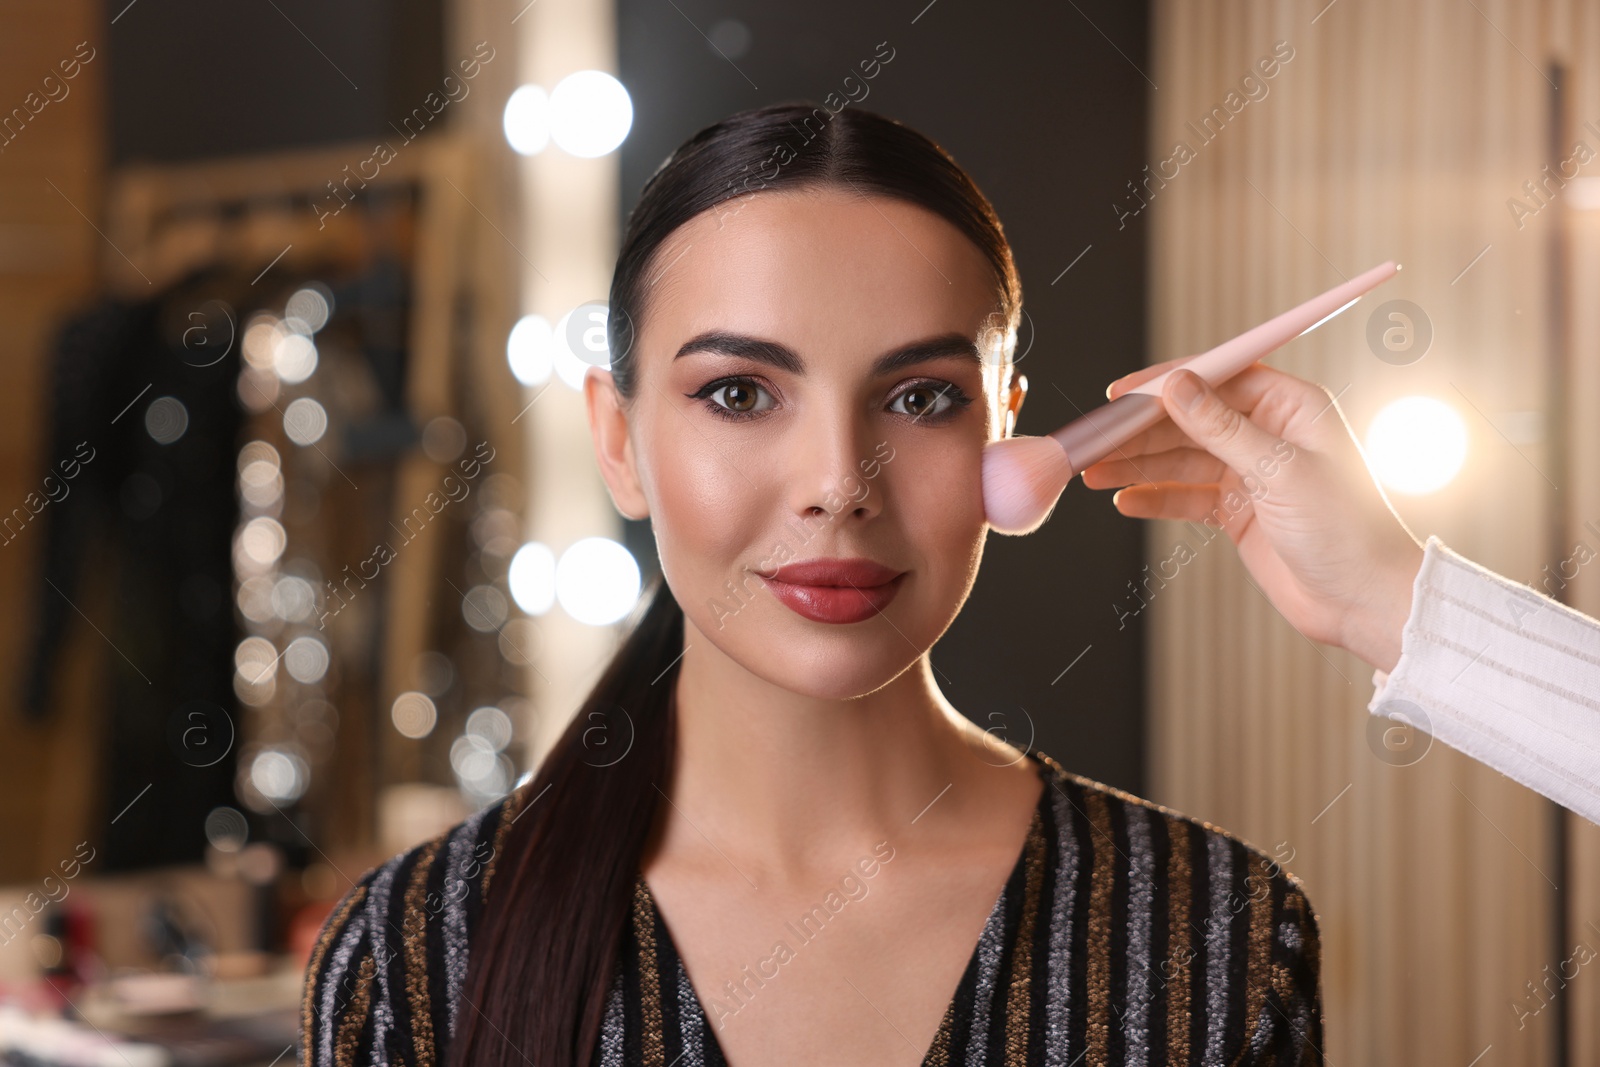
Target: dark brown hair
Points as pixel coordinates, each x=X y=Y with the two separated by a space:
x=541 y=964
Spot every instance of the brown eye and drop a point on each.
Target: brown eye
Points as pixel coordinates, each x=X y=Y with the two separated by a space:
x=738 y=397
x=924 y=400
x=735 y=398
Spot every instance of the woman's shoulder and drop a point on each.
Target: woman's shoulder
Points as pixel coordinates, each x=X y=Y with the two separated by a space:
x=1141 y=829
x=387 y=967
x=1178 y=912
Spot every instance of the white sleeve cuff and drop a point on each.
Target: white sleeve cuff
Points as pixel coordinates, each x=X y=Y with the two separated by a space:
x=1510 y=677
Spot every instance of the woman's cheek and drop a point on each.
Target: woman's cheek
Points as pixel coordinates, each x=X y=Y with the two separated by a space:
x=702 y=503
x=939 y=482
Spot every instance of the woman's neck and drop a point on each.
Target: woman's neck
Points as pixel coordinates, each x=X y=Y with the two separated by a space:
x=781 y=783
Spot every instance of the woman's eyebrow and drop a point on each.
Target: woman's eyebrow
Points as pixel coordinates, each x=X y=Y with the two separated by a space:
x=785 y=358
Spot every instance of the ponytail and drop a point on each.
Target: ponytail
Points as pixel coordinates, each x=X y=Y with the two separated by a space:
x=540 y=965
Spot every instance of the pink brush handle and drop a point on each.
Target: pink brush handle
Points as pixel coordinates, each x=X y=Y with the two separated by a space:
x=1093 y=436
x=1230 y=357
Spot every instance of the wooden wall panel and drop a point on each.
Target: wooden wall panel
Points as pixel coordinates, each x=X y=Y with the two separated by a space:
x=1397 y=130
x=51 y=169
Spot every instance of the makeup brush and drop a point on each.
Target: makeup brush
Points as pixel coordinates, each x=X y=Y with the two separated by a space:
x=1023 y=477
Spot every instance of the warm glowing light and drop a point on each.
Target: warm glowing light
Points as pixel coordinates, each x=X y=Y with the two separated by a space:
x=414 y=714
x=306 y=659
x=262 y=540
x=581 y=342
x=532 y=578
x=291 y=598
x=255 y=598
x=587 y=332
x=528 y=350
x=527 y=120
x=1416 y=445
x=279 y=775
x=472 y=757
x=257 y=451
x=484 y=608
x=311 y=306
x=261 y=482
x=480 y=771
x=305 y=421
x=294 y=358
x=256 y=660
x=491 y=724
x=260 y=338
x=597 y=581
x=1583 y=194
x=590 y=113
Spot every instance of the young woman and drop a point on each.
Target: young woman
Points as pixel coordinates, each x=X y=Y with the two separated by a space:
x=767 y=837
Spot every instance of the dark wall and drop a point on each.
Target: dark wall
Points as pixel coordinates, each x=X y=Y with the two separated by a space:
x=191 y=79
x=1045 y=107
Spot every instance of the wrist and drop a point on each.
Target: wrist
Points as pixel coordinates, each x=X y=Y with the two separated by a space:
x=1375 y=632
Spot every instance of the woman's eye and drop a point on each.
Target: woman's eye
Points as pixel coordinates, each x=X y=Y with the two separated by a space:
x=928 y=400
x=736 y=398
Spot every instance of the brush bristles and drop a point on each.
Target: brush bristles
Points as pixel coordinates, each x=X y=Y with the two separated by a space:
x=1022 y=479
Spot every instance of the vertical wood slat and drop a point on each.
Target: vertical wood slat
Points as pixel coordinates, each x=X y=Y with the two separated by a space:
x=1398 y=130
x=1583 y=476
x=48 y=254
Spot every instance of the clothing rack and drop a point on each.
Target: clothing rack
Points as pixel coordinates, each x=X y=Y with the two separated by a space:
x=324 y=209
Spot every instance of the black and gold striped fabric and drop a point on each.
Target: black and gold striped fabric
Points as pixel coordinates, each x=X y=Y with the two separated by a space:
x=1126 y=934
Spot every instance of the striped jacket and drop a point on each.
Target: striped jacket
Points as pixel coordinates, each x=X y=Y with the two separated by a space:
x=1126 y=934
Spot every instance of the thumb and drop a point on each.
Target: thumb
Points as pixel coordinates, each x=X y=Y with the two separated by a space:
x=1213 y=423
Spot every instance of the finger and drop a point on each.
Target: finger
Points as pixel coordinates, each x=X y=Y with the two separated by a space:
x=1192 y=465
x=1275 y=399
x=1217 y=426
x=1182 y=503
x=1246 y=387
x=1244 y=390
x=1247 y=391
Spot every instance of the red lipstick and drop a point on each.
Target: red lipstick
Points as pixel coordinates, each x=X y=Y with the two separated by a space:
x=834 y=590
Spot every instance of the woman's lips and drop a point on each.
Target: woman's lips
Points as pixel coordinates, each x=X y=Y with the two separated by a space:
x=835 y=590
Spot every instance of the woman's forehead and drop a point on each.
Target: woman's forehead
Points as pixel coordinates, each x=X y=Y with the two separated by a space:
x=807 y=266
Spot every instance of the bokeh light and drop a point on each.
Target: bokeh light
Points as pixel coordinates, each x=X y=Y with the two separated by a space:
x=527 y=120
x=491 y=724
x=310 y=307
x=1416 y=444
x=305 y=421
x=414 y=715
x=532 y=578
x=279 y=775
x=528 y=350
x=294 y=358
x=590 y=113
x=597 y=581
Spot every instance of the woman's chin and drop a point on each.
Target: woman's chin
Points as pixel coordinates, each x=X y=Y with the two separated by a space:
x=841 y=683
x=834 y=669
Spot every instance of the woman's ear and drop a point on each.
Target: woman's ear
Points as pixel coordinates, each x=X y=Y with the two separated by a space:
x=1018 y=393
x=613 y=448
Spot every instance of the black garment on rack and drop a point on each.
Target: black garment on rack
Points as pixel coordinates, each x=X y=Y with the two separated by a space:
x=156 y=521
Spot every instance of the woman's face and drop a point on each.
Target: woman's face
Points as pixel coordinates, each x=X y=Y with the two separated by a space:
x=811 y=387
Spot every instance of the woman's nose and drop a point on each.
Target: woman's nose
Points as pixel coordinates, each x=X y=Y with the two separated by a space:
x=831 y=455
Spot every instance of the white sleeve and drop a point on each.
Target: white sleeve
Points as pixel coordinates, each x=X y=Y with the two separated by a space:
x=1502 y=673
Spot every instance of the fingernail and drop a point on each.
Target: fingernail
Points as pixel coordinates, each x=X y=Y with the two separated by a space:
x=1186 y=389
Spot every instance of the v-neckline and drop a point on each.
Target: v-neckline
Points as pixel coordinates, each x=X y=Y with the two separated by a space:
x=995 y=924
